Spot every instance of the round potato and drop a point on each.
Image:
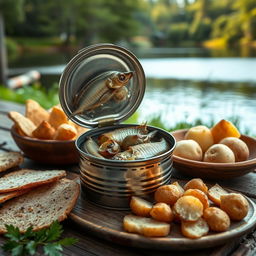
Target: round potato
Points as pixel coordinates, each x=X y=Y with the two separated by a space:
x=162 y=212
x=219 y=153
x=168 y=194
x=202 y=135
x=196 y=183
x=238 y=147
x=235 y=205
x=188 y=208
x=140 y=207
x=217 y=219
x=194 y=229
x=189 y=149
x=198 y=194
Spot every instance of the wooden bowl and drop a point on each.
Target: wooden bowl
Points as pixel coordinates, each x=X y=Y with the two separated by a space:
x=215 y=170
x=47 y=151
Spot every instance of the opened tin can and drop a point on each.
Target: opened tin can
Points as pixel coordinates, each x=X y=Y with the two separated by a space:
x=89 y=95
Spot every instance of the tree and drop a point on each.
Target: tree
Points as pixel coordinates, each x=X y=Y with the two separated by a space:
x=8 y=10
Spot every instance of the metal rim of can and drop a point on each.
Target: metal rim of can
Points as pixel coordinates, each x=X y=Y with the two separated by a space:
x=127 y=57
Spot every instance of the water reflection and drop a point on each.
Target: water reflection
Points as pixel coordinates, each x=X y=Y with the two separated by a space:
x=177 y=101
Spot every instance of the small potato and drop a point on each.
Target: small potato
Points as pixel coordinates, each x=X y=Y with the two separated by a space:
x=162 y=212
x=168 y=194
x=194 y=229
x=198 y=194
x=176 y=183
x=65 y=132
x=202 y=135
x=44 y=131
x=188 y=149
x=224 y=129
x=238 y=147
x=235 y=205
x=140 y=206
x=215 y=192
x=217 y=219
x=197 y=184
x=57 y=117
x=189 y=208
x=219 y=153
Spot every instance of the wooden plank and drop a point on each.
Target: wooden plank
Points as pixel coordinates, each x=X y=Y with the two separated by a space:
x=5 y=122
x=6 y=106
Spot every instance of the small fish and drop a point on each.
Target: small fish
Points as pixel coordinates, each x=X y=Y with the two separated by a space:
x=121 y=94
x=109 y=148
x=132 y=140
x=143 y=151
x=100 y=90
x=119 y=135
x=91 y=147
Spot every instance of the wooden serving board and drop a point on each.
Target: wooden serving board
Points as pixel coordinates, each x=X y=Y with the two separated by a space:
x=107 y=224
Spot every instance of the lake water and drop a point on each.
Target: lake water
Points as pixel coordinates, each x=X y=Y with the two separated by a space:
x=182 y=84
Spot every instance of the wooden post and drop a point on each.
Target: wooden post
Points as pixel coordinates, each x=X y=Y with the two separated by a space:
x=3 y=59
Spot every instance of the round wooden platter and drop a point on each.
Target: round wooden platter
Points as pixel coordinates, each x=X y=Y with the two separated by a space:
x=107 y=224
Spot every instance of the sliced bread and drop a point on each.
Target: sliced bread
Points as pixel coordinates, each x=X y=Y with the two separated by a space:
x=41 y=206
x=9 y=195
x=145 y=226
x=27 y=178
x=9 y=160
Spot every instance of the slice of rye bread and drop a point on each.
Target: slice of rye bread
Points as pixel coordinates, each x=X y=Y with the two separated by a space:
x=26 y=178
x=9 y=195
x=41 y=206
x=9 y=160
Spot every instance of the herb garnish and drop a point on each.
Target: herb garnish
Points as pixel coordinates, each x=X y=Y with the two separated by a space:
x=27 y=243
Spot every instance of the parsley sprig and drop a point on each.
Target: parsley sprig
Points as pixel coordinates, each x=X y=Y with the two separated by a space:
x=29 y=242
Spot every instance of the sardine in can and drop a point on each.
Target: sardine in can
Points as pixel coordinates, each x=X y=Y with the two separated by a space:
x=100 y=87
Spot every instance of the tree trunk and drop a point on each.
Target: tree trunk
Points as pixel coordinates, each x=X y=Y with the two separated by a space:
x=3 y=59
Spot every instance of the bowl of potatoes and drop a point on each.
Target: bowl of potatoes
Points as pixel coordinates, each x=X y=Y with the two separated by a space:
x=219 y=152
x=45 y=136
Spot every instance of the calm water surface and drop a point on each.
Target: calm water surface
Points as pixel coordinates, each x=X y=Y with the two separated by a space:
x=182 y=84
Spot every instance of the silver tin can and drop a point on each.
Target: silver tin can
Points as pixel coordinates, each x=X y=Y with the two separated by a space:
x=105 y=182
x=111 y=183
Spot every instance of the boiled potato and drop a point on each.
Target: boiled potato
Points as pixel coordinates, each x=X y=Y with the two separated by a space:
x=224 y=129
x=219 y=153
x=235 y=205
x=194 y=229
x=168 y=194
x=188 y=208
x=238 y=147
x=217 y=219
x=189 y=149
x=162 y=212
x=202 y=135
x=196 y=183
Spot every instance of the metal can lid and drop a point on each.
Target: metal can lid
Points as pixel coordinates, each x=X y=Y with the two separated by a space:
x=103 y=83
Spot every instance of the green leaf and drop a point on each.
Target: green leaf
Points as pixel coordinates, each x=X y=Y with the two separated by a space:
x=13 y=233
x=41 y=235
x=31 y=247
x=68 y=241
x=28 y=234
x=18 y=250
x=53 y=249
x=9 y=245
x=54 y=231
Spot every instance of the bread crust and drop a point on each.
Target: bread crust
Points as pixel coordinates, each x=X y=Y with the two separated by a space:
x=13 y=176
x=37 y=202
x=9 y=160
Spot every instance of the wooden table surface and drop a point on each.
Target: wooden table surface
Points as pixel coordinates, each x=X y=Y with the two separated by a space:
x=91 y=245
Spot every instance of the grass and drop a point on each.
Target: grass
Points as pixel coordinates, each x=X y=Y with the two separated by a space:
x=46 y=98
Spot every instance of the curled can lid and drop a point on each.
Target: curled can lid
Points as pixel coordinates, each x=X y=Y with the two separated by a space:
x=103 y=83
